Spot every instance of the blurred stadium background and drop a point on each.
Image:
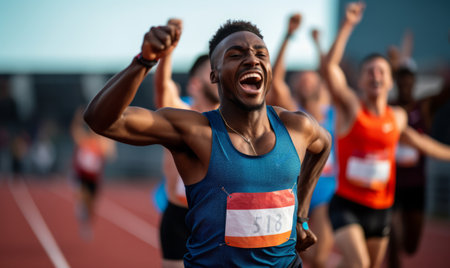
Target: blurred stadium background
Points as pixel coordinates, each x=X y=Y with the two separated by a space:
x=48 y=68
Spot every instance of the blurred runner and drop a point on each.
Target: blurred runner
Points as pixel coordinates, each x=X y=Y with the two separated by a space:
x=90 y=154
x=368 y=130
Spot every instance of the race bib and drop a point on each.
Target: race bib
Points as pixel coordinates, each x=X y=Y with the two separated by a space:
x=370 y=170
x=89 y=161
x=257 y=220
x=406 y=156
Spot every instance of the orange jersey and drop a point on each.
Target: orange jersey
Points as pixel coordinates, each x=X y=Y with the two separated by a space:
x=89 y=159
x=366 y=157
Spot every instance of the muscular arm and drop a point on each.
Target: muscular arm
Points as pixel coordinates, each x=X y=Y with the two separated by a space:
x=280 y=94
x=109 y=113
x=344 y=98
x=315 y=158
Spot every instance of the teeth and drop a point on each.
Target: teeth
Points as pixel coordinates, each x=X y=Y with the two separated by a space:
x=250 y=75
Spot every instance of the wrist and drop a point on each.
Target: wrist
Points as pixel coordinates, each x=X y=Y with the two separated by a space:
x=303 y=222
x=144 y=62
x=348 y=24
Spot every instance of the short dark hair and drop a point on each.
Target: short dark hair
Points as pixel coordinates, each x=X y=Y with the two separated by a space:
x=230 y=27
x=197 y=64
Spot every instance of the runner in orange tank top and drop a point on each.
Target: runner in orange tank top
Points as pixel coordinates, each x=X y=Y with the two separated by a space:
x=368 y=131
x=365 y=155
x=90 y=155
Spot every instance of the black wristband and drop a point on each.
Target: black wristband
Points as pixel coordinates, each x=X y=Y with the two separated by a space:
x=146 y=63
x=302 y=220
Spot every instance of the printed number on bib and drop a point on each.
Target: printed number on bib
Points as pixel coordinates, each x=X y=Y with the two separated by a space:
x=256 y=220
x=369 y=170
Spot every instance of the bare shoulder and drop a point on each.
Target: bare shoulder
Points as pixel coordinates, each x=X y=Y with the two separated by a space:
x=184 y=120
x=305 y=132
x=297 y=121
x=401 y=118
x=192 y=126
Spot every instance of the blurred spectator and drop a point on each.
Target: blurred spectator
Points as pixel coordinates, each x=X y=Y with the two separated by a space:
x=8 y=121
x=43 y=151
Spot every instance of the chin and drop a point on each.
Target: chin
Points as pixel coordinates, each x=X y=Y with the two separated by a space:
x=250 y=107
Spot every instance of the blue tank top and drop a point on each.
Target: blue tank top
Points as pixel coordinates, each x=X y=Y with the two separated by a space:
x=328 y=123
x=215 y=240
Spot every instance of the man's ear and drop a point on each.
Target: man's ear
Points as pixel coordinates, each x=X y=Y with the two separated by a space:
x=213 y=76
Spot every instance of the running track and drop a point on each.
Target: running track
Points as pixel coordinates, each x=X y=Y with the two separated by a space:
x=38 y=229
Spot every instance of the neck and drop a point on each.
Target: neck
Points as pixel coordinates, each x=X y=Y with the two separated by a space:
x=251 y=124
x=376 y=106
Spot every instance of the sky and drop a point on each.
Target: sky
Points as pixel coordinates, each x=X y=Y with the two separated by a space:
x=100 y=36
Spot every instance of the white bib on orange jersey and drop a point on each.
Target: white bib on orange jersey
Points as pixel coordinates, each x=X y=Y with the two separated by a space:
x=89 y=161
x=369 y=171
x=256 y=220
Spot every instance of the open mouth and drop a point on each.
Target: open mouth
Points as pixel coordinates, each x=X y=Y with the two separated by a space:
x=251 y=82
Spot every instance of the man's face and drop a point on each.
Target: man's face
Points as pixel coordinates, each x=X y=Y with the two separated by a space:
x=241 y=67
x=375 y=78
x=306 y=86
x=405 y=85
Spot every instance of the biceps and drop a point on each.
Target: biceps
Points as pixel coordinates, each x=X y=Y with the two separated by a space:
x=138 y=126
x=321 y=143
x=339 y=89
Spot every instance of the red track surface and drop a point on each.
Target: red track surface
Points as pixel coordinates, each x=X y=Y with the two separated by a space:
x=125 y=229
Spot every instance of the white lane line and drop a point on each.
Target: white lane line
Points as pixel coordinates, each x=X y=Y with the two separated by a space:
x=129 y=222
x=124 y=219
x=34 y=218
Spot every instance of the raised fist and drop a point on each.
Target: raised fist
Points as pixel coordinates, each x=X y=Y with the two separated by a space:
x=354 y=12
x=161 y=40
x=294 y=23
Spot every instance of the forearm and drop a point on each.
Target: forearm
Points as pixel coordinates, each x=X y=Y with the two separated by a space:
x=280 y=94
x=109 y=104
x=335 y=78
x=279 y=68
x=309 y=175
x=338 y=48
x=426 y=144
x=163 y=82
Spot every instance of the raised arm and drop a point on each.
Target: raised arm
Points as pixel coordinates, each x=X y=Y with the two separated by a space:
x=280 y=94
x=166 y=90
x=344 y=98
x=315 y=35
x=109 y=113
x=407 y=45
